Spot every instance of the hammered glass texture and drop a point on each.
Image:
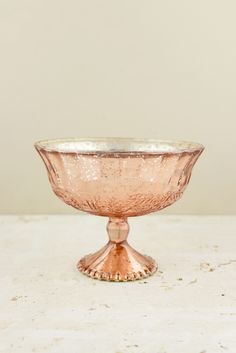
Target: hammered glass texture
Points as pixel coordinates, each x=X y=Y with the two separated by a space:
x=119 y=184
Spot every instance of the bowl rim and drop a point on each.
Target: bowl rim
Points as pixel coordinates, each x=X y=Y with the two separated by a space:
x=179 y=146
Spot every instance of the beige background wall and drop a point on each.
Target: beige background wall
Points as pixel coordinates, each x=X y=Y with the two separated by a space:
x=160 y=69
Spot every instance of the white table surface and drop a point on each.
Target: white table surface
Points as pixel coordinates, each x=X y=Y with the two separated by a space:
x=48 y=306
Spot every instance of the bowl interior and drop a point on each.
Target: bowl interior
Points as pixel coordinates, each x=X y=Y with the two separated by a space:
x=117 y=145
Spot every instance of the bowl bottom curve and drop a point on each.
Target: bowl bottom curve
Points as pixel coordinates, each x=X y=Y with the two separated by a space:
x=117 y=262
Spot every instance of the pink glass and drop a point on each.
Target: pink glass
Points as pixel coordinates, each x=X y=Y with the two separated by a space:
x=118 y=178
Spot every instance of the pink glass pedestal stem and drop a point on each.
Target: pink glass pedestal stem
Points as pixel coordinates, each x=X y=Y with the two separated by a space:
x=117 y=260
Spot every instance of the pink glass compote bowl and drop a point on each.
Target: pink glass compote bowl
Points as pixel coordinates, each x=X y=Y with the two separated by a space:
x=118 y=178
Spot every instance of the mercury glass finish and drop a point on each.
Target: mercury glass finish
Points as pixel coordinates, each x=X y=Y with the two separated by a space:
x=118 y=178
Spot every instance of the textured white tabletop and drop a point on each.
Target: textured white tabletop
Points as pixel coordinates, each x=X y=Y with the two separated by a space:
x=188 y=306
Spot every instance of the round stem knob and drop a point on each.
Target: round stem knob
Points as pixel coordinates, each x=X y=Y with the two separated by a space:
x=117 y=229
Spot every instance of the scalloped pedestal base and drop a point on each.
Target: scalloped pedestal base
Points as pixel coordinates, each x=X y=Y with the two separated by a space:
x=117 y=262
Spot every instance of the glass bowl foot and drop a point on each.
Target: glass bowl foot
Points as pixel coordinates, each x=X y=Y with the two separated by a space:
x=117 y=262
